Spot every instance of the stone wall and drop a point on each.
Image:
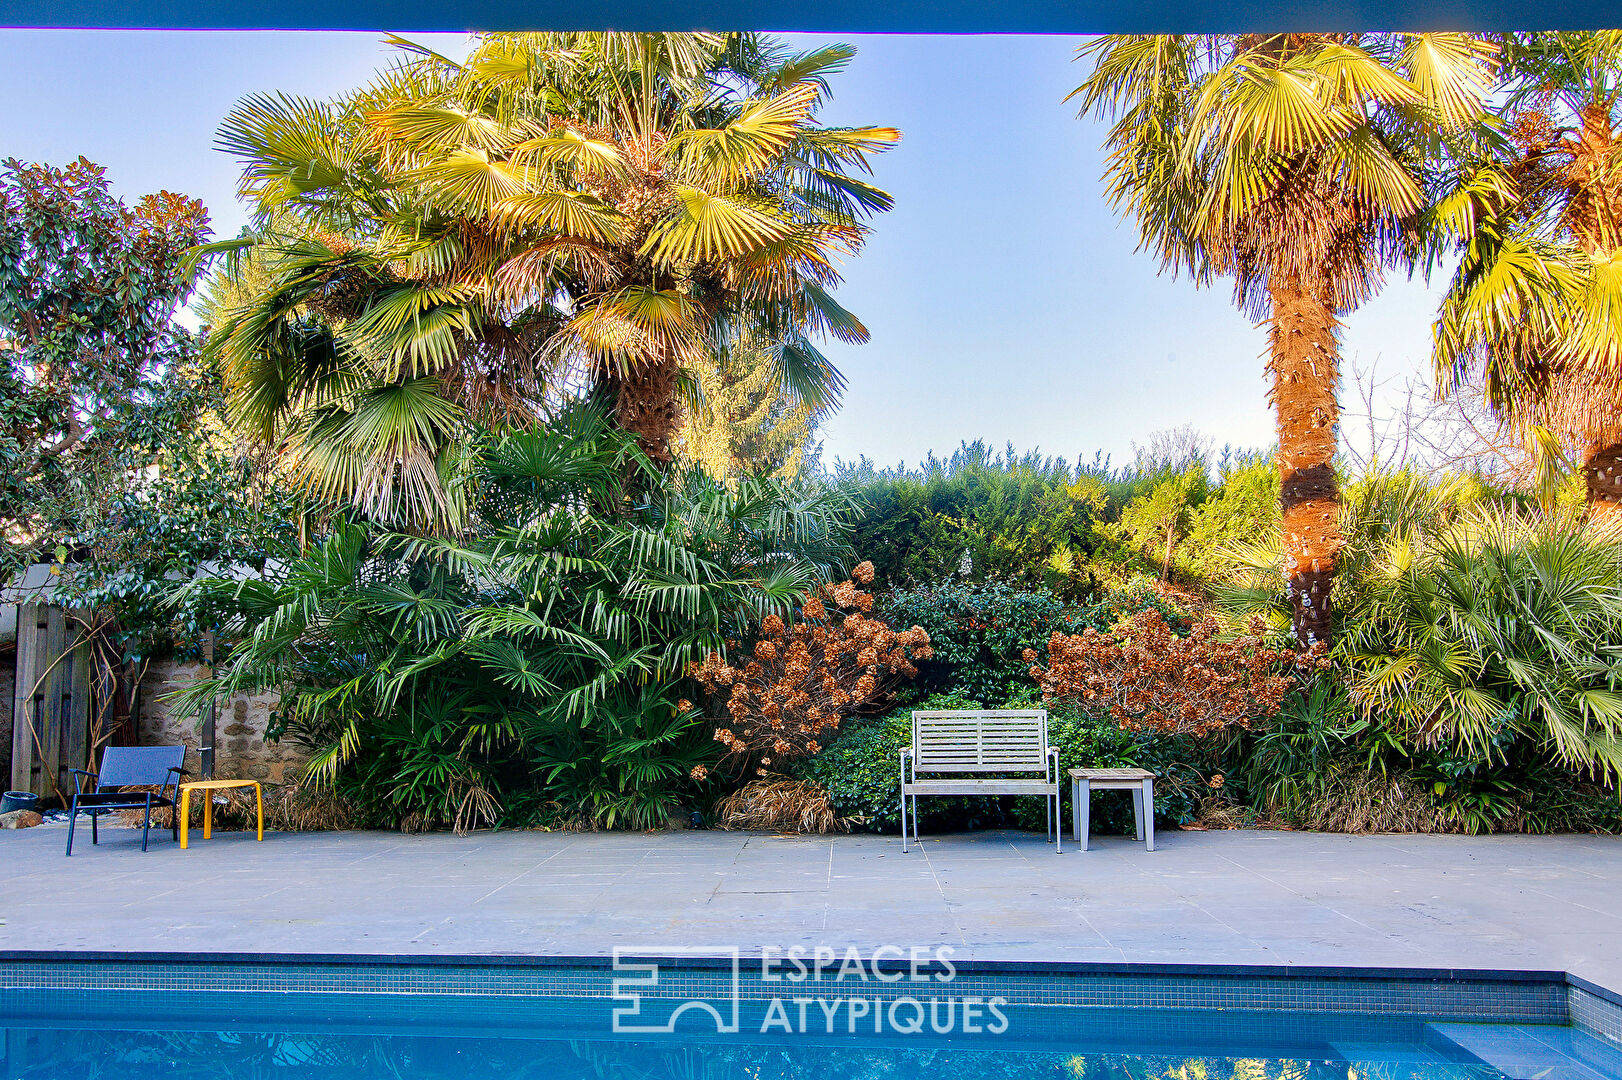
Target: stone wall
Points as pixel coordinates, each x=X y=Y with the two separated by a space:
x=241 y=751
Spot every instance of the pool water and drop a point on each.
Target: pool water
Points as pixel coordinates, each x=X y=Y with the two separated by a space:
x=112 y=1035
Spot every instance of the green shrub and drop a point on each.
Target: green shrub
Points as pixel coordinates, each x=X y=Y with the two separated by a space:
x=981 y=515
x=540 y=661
x=979 y=631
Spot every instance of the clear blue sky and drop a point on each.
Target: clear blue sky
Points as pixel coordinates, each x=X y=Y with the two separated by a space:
x=1005 y=299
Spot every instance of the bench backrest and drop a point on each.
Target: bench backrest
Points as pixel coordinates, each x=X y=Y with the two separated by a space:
x=139 y=766
x=996 y=740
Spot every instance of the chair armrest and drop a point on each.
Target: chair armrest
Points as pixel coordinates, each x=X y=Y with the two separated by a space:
x=78 y=788
x=906 y=756
x=178 y=773
x=1053 y=756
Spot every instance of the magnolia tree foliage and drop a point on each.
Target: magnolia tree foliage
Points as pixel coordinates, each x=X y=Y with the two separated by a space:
x=117 y=458
x=88 y=291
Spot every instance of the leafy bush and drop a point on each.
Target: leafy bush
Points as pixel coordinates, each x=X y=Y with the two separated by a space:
x=1148 y=677
x=537 y=663
x=980 y=631
x=1028 y=520
x=803 y=679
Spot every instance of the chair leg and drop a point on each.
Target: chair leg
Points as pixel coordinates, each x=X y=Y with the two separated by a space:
x=146 y=823
x=95 y=819
x=73 y=815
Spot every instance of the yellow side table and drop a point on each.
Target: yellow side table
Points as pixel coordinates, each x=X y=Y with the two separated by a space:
x=208 y=804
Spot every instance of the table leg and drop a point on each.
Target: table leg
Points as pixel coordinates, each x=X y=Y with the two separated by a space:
x=1149 y=811
x=1137 y=809
x=1084 y=811
x=185 y=815
x=259 y=805
x=208 y=814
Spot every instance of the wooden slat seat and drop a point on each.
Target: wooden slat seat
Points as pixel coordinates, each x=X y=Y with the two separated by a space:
x=978 y=742
x=979 y=787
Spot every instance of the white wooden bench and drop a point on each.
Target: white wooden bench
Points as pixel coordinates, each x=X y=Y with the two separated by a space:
x=979 y=742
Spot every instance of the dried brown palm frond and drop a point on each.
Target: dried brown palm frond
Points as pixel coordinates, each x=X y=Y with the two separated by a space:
x=777 y=802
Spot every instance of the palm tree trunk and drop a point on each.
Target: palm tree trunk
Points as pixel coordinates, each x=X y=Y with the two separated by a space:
x=647 y=403
x=1602 y=471
x=1305 y=367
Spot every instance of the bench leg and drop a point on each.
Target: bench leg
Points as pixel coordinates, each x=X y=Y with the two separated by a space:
x=1149 y=812
x=1084 y=811
x=1057 y=816
x=904 y=837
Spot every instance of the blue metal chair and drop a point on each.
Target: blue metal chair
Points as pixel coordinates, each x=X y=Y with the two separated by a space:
x=128 y=766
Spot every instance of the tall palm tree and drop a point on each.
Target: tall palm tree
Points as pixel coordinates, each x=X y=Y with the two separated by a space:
x=458 y=243
x=1294 y=164
x=1536 y=303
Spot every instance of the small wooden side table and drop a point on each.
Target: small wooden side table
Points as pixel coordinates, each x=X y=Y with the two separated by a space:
x=1083 y=782
x=209 y=786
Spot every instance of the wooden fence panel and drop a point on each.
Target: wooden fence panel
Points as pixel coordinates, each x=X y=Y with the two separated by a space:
x=52 y=709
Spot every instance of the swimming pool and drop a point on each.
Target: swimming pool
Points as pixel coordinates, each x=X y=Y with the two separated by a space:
x=717 y=1018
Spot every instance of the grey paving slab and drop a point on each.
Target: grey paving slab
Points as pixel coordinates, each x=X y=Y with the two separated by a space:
x=1218 y=897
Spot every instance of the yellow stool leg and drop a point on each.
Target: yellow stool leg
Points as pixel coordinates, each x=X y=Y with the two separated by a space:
x=185 y=815
x=259 y=804
x=208 y=814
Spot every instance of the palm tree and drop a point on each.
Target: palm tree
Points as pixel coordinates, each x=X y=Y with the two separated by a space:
x=1536 y=303
x=1293 y=163
x=459 y=244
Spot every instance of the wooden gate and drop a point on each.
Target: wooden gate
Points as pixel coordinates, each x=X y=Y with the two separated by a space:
x=51 y=715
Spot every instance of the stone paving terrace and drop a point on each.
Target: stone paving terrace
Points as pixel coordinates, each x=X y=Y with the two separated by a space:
x=1219 y=897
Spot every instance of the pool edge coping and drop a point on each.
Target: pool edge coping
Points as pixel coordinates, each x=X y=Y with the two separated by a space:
x=703 y=959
